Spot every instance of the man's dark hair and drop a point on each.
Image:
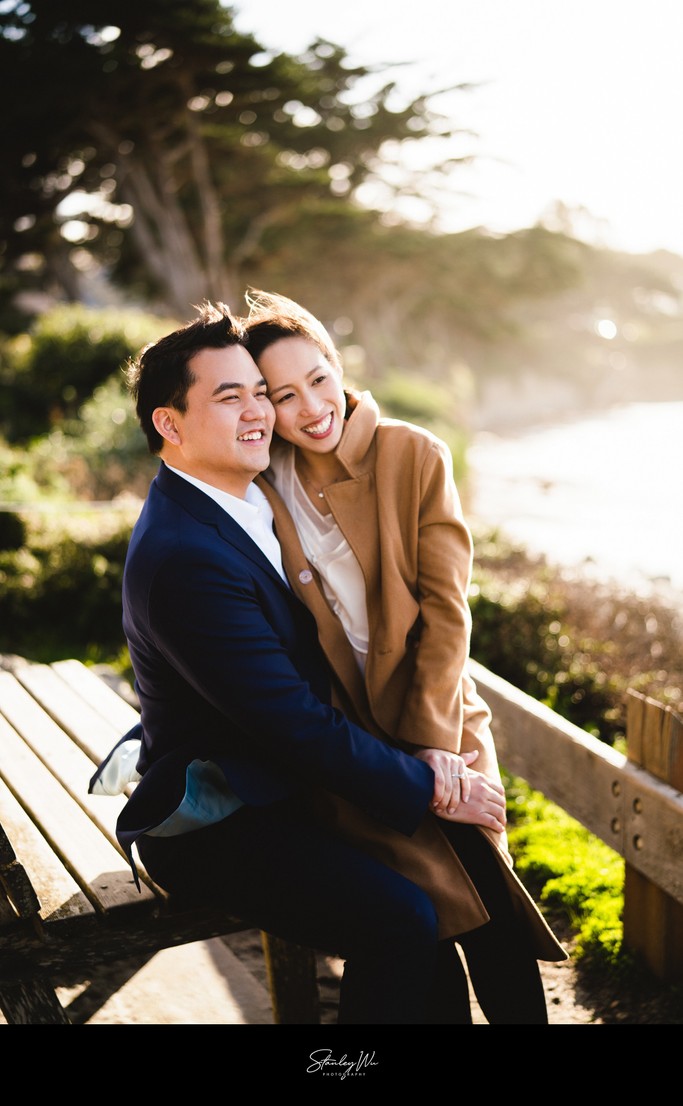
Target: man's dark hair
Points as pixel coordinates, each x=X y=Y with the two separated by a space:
x=161 y=376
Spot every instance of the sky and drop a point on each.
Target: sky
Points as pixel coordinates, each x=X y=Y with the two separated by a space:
x=577 y=101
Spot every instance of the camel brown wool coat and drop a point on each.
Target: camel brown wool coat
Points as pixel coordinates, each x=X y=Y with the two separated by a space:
x=400 y=512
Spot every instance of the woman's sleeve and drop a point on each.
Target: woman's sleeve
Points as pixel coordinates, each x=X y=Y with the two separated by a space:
x=434 y=711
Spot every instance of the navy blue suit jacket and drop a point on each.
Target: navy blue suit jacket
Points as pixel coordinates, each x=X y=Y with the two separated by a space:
x=228 y=668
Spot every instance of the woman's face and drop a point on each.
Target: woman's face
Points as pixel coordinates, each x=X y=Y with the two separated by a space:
x=306 y=392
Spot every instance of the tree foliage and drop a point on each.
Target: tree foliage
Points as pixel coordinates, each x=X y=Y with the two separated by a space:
x=179 y=142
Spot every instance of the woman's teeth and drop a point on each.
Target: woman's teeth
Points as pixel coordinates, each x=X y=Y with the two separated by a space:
x=320 y=427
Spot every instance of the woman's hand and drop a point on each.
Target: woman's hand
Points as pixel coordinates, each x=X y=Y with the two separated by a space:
x=484 y=807
x=451 y=778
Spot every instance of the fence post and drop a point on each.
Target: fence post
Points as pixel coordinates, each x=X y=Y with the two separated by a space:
x=653 y=920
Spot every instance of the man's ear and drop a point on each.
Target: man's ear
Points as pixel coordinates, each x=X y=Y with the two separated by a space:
x=164 y=419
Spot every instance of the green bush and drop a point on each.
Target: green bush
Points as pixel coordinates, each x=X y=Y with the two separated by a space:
x=427 y=403
x=101 y=453
x=520 y=632
x=47 y=374
x=26 y=477
x=574 y=644
x=12 y=531
x=60 y=595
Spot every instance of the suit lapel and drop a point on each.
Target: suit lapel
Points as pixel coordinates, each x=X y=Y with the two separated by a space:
x=206 y=511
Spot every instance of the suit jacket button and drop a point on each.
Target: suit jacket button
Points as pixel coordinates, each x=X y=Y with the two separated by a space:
x=305 y=576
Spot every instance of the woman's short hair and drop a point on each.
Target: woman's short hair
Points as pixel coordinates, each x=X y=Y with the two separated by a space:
x=272 y=317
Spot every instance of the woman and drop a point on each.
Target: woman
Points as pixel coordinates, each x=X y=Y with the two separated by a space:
x=375 y=544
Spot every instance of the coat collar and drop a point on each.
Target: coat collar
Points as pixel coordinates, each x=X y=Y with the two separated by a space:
x=355 y=448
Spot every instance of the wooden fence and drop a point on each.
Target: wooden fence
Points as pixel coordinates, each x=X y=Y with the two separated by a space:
x=633 y=803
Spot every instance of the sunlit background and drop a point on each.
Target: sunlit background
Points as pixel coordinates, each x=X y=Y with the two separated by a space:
x=488 y=219
x=575 y=109
x=577 y=102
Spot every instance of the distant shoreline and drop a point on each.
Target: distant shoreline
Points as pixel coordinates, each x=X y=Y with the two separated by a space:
x=601 y=493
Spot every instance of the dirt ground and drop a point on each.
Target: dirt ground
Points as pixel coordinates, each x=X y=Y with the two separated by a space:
x=574 y=997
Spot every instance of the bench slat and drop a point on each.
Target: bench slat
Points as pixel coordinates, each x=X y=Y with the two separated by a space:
x=18 y=886
x=90 y=730
x=97 y=866
x=97 y=694
x=66 y=760
x=59 y=895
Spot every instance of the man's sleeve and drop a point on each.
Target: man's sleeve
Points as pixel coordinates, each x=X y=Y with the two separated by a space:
x=215 y=634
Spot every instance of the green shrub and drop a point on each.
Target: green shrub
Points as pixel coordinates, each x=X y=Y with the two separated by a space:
x=574 y=644
x=427 y=403
x=28 y=478
x=60 y=595
x=12 y=530
x=520 y=632
x=48 y=373
x=102 y=452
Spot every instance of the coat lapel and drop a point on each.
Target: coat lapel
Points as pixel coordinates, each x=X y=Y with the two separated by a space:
x=307 y=587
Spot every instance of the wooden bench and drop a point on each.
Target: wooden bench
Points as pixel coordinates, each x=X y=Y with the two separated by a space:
x=68 y=903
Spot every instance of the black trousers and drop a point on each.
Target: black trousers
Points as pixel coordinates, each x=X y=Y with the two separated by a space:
x=278 y=868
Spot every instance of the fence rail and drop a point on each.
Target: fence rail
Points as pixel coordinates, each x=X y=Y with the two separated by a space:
x=633 y=803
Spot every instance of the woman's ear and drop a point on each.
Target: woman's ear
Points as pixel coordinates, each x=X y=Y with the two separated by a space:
x=164 y=419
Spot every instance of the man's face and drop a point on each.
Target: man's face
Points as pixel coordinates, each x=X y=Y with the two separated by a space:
x=224 y=435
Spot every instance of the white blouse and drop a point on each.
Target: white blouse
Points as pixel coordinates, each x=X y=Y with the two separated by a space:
x=329 y=552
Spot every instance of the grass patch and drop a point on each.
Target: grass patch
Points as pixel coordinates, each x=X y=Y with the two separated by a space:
x=574 y=874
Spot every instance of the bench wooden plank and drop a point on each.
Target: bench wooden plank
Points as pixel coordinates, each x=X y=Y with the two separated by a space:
x=66 y=760
x=85 y=726
x=32 y=1001
x=97 y=694
x=59 y=895
x=637 y=815
x=96 y=865
x=21 y=899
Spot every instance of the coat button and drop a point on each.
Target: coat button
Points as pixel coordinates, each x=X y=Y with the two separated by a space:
x=305 y=576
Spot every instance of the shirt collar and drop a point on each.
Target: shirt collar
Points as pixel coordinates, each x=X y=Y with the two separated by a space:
x=243 y=511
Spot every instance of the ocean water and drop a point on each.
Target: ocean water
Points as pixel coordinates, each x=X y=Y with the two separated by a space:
x=604 y=493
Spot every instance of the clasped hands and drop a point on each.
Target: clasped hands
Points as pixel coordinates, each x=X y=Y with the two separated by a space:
x=462 y=794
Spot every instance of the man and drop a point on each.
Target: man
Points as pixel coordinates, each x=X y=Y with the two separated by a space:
x=238 y=734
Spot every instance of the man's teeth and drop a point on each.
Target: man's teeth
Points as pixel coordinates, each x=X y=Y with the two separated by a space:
x=252 y=436
x=320 y=427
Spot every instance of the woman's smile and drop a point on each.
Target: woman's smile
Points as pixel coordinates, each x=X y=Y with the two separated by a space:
x=320 y=429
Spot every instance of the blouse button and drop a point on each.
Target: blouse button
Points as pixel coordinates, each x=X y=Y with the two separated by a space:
x=305 y=576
